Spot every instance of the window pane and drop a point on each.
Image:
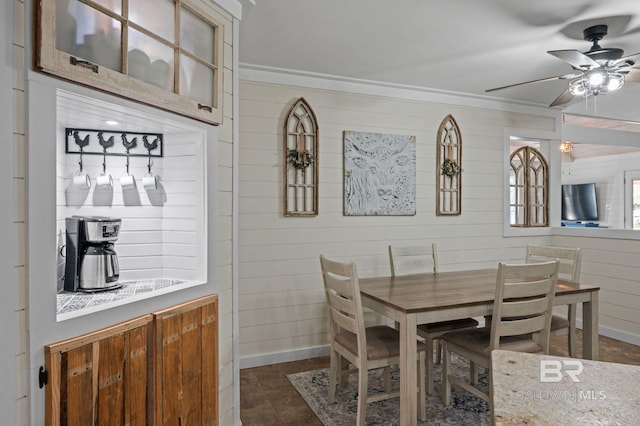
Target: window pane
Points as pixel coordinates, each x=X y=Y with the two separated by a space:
x=113 y=5
x=150 y=60
x=196 y=80
x=157 y=16
x=196 y=36
x=83 y=31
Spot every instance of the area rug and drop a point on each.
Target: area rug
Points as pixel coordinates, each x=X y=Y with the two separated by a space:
x=465 y=409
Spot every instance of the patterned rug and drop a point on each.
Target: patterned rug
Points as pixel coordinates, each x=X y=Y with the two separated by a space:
x=465 y=408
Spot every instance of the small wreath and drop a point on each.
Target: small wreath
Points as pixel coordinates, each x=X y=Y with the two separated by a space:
x=450 y=168
x=300 y=160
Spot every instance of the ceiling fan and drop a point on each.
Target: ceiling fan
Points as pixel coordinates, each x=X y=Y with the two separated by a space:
x=599 y=70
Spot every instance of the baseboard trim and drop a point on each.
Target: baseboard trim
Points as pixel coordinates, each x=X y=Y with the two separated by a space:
x=279 y=357
x=613 y=333
x=307 y=353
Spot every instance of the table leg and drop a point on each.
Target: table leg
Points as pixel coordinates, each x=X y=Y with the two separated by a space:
x=590 y=327
x=408 y=371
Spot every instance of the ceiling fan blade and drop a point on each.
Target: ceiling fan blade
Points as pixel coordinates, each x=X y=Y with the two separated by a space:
x=564 y=98
x=540 y=80
x=633 y=75
x=630 y=59
x=575 y=58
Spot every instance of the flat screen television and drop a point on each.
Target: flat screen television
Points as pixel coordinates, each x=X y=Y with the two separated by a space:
x=579 y=202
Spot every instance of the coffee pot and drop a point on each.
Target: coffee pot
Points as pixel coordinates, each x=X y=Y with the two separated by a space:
x=91 y=260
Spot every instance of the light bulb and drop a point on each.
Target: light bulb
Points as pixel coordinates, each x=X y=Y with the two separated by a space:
x=577 y=87
x=596 y=79
x=616 y=81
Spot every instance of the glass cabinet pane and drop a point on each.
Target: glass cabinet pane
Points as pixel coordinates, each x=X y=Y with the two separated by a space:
x=113 y=5
x=87 y=33
x=150 y=61
x=196 y=36
x=196 y=80
x=157 y=16
x=175 y=46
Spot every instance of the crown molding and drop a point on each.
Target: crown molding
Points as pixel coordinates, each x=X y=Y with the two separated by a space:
x=273 y=75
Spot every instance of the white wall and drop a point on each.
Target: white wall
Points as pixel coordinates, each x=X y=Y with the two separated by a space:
x=282 y=303
x=12 y=302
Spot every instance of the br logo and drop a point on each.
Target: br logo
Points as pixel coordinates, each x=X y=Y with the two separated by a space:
x=552 y=370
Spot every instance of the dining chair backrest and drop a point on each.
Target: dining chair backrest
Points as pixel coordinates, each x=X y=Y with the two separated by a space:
x=413 y=259
x=570 y=259
x=524 y=302
x=343 y=298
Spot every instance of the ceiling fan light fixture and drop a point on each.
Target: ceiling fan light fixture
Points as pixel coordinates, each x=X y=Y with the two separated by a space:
x=594 y=83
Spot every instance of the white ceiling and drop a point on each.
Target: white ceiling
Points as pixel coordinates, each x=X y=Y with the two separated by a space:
x=464 y=46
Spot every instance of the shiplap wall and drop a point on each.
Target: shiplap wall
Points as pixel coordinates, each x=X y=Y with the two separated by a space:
x=613 y=265
x=282 y=303
x=13 y=304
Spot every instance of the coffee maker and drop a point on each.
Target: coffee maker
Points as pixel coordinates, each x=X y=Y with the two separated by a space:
x=91 y=260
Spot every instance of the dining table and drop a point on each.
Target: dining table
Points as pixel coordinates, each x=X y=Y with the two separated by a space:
x=410 y=300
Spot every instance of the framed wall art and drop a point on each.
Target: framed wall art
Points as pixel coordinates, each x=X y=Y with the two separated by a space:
x=448 y=168
x=379 y=174
x=301 y=161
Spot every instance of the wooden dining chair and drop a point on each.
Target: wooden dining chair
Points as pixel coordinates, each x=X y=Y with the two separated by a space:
x=570 y=261
x=420 y=259
x=366 y=348
x=520 y=322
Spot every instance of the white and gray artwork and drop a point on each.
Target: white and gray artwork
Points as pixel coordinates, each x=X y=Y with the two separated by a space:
x=379 y=174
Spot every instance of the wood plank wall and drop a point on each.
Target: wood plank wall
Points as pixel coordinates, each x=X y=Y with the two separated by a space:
x=282 y=305
x=15 y=406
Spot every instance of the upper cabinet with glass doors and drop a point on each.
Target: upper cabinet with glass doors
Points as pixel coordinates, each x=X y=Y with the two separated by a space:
x=165 y=53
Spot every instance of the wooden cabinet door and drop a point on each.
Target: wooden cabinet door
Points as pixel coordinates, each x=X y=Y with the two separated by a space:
x=102 y=377
x=186 y=363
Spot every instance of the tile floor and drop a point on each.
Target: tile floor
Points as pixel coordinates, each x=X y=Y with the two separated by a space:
x=267 y=397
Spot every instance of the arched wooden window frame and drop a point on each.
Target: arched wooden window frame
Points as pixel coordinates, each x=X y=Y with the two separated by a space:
x=301 y=161
x=529 y=188
x=449 y=187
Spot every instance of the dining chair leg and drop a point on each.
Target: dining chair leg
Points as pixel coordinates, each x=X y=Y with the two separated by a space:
x=344 y=368
x=422 y=397
x=490 y=392
x=429 y=357
x=446 y=371
x=438 y=348
x=473 y=373
x=573 y=311
x=387 y=379
x=334 y=373
x=363 y=376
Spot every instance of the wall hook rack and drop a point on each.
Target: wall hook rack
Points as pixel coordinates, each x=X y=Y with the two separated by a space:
x=150 y=146
x=128 y=145
x=81 y=143
x=105 y=143
x=97 y=141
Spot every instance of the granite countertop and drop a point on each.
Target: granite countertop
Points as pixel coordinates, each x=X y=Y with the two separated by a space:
x=550 y=390
x=70 y=305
